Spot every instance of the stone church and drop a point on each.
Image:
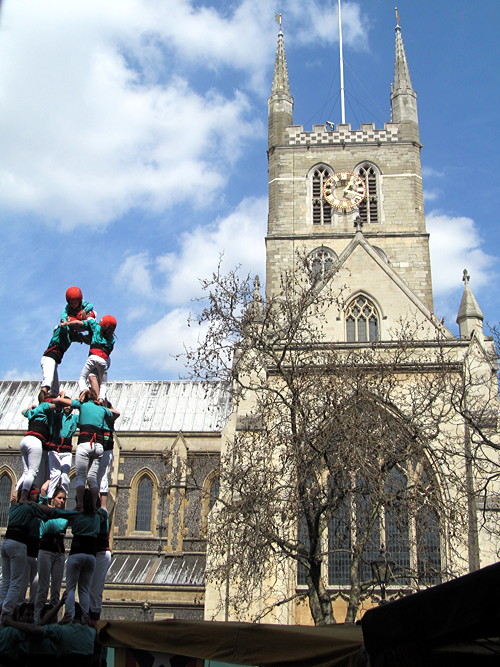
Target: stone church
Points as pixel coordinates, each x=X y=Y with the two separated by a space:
x=349 y=199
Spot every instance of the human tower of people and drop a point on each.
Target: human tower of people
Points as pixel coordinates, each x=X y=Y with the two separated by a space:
x=33 y=551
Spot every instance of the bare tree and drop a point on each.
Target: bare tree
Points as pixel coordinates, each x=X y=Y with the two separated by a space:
x=332 y=463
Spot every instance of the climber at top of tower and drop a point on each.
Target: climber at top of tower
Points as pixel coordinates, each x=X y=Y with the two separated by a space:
x=76 y=308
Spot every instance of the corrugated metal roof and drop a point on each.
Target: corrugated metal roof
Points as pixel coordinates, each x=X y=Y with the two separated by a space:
x=144 y=405
x=155 y=570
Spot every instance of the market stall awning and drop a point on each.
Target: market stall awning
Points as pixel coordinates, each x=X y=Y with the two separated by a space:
x=240 y=643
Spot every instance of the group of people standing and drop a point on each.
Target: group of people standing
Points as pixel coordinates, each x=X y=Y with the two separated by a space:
x=33 y=551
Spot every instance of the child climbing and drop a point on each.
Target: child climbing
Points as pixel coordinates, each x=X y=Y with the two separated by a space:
x=76 y=307
x=102 y=343
x=62 y=337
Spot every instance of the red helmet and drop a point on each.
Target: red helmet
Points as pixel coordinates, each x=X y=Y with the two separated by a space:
x=108 y=322
x=74 y=293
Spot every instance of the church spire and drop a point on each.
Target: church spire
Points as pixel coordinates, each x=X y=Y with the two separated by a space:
x=281 y=86
x=403 y=97
x=470 y=316
x=280 y=105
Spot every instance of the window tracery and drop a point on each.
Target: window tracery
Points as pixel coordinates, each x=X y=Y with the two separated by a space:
x=369 y=207
x=6 y=488
x=321 y=209
x=362 y=321
x=321 y=261
x=389 y=534
x=144 y=502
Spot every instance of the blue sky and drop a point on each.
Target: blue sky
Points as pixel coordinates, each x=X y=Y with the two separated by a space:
x=133 y=152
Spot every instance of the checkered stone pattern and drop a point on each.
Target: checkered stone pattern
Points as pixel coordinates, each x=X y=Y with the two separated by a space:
x=343 y=135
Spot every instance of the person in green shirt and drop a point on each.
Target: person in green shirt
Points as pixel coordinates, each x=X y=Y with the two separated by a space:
x=85 y=526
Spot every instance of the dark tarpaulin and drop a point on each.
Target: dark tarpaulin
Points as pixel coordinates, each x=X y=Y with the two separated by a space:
x=241 y=643
x=435 y=622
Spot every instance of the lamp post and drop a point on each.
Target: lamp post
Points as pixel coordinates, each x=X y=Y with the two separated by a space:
x=382 y=573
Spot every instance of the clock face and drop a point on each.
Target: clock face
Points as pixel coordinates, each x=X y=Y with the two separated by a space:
x=344 y=190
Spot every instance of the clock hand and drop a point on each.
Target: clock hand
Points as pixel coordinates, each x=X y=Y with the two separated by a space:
x=348 y=191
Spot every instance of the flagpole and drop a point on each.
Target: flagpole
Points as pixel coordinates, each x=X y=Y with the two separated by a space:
x=342 y=101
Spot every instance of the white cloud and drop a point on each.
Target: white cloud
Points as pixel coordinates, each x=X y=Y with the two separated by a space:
x=105 y=109
x=135 y=274
x=432 y=175
x=455 y=245
x=176 y=276
x=320 y=23
x=85 y=137
x=242 y=35
x=239 y=238
x=431 y=172
x=158 y=344
x=432 y=195
x=238 y=37
x=135 y=154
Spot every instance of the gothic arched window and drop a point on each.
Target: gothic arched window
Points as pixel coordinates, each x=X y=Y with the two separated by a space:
x=369 y=207
x=321 y=262
x=144 y=503
x=383 y=505
x=362 y=321
x=5 y=494
x=321 y=209
x=386 y=531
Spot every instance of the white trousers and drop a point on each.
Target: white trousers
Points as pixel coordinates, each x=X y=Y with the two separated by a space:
x=102 y=563
x=79 y=571
x=50 y=575
x=87 y=460
x=104 y=466
x=50 y=376
x=13 y=565
x=98 y=367
x=59 y=467
x=31 y=457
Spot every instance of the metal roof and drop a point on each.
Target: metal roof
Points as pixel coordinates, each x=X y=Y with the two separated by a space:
x=154 y=406
x=156 y=570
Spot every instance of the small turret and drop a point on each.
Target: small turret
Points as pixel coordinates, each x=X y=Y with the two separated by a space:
x=469 y=318
x=255 y=311
x=280 y=104
x=403 y=97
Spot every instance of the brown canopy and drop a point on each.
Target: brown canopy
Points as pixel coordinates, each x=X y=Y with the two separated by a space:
x=240 y=643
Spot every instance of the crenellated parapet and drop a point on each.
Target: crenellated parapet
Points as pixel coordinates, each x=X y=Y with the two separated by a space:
x=342 y=134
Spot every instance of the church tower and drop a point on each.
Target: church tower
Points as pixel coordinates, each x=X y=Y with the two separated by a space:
x=335 y=188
